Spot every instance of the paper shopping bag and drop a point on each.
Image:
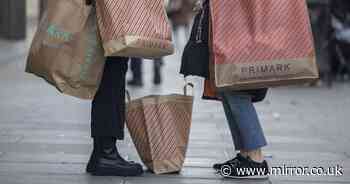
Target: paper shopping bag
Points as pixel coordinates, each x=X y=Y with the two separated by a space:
x=134 y=28
x=261 y=43
x=66 y=50
x=159 y=126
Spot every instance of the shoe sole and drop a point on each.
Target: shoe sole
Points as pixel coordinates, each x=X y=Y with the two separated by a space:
x=110 y=172
x=91 y=169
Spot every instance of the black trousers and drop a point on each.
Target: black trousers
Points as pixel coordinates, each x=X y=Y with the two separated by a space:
x=108 y=106
x=136 y=68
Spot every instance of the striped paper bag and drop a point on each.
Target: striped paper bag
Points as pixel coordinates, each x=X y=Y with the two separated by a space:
x=159 y=127
x=134 y=28
x=259 y=44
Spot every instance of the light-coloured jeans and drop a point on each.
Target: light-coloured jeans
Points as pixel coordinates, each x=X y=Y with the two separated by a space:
x=243 y=121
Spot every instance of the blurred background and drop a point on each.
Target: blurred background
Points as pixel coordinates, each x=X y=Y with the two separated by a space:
x=45 y=136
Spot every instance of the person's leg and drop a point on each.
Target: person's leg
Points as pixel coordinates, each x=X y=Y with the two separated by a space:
x=107 y=123
x=247 y=134
x=233 y=126
x=108 y=105
x=245 y=120
x=136 y=69
x=157 y=65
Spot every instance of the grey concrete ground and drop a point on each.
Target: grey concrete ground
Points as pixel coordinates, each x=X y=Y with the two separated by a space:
x=44 y=135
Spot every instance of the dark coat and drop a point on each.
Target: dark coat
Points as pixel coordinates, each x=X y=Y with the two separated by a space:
x=196 y=56
x=340 y=9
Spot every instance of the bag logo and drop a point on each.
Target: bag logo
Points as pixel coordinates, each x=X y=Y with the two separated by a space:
x=266 y=69
x=54 y=32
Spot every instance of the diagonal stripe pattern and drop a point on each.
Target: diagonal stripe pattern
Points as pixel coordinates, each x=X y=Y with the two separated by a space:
x=160 y=128
x=260 y=30
x=144 y=19
x=261 y=43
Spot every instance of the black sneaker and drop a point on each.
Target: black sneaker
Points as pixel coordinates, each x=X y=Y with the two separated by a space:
x=244 y=168
x=218 y=166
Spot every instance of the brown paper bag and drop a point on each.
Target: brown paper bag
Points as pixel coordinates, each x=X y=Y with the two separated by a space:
x=160 y=128
x=259 y=44
x=66 y=50
x=134 y=28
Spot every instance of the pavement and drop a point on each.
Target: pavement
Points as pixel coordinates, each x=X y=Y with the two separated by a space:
x=45 y=136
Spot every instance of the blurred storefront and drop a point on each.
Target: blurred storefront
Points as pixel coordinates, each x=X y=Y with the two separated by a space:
x=15 y=16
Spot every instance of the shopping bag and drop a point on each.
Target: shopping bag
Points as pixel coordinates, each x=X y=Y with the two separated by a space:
x=134 y=28
x=66 y=50
x=159 y=127
x=259 y=44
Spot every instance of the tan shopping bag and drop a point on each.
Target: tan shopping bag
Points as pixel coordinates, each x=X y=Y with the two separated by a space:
x=134 y=28
x=66 y=50
x=258 y=44
x=160 y=128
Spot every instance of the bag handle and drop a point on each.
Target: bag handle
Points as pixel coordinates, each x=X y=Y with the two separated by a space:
x=185 y=88
x=188 y=84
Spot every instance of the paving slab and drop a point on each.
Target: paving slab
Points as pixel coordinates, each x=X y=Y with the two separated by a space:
x=45 y=158
x=191 y=181
x=58 y=179
x=10 y=138
x=41 y=168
